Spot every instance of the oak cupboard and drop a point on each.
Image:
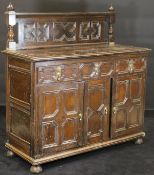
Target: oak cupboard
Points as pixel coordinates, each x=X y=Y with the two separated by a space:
x=70 y=88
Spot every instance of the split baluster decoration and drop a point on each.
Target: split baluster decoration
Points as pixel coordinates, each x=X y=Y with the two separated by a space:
x=11 y=22
x=111 y=21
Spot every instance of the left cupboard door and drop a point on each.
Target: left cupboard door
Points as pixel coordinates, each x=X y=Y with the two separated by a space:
x=59 y=115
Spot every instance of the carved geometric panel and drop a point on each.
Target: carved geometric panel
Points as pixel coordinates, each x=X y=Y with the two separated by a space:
x=48 y=74
x=122 y=89
x=69 y=131
x=94 y=123
x=95 y=112
x=70 y=72
x=86 y=70
x=47 y=31
x=84 y=31
x=128 y=105
x=135 y=89
x=106 y=68
x=50 y=134
x=121 y=120
x=139 y=64
x=30 y=32
x=42 y=32
x=51 y=103
x=20 y=124
x=59 y=106
x=20 y=85
x=64 y=31
x=70 y=97
x=96 y=69
x=134 y=114
x=95 y=97
x=95 y=30
x=90 y=70
x=90 y=30
x=122 y=66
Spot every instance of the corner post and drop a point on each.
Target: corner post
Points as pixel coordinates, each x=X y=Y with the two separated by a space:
x=111 y=21
x=11 y=22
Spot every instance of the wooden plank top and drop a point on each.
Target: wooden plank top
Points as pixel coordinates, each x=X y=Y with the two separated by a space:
x=73 y=52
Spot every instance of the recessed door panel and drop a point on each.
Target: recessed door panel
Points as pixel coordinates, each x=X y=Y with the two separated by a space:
x=97 y=95
x=127 y=105
x=60 y=113
x=121 y=120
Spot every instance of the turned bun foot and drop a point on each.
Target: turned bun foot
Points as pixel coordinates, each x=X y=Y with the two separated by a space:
x=139 y=141
x=36 y=169
x=9 y=153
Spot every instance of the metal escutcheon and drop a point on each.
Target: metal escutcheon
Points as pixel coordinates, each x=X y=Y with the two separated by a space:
x=80 y=116
x=105 y=111
x=131 y=66
x=115 y=110
x=58 y=73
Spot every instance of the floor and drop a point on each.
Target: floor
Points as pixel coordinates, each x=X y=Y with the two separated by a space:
x=123 y=159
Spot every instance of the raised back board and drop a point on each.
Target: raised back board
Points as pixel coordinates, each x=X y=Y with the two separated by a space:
x=50 y=29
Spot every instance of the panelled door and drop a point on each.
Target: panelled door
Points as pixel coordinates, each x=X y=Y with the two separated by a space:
x=60 y=107
x=127 y=104
x=96 y=110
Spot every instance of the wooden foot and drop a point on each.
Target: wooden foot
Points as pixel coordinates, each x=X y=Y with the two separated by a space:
x=9 y=153
x=139 y=141
x=36 y=169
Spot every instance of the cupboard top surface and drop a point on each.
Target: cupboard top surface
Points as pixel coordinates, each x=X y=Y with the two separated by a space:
x=73 y=52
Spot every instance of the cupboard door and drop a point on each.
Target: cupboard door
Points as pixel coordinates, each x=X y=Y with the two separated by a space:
x=127 y=105
x=60 y=107
x=96 y=113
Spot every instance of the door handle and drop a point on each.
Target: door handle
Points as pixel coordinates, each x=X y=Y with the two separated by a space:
x=131 y=66
x=115 y=109
x=105 y=110
x=58 y=73
x=80 y=116
x=96 y=70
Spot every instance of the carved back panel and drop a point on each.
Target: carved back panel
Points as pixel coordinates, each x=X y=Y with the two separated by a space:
x=47 y=29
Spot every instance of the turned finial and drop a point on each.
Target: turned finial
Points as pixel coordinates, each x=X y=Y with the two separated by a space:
x=111 y=21
x=10 y=7
x=11 y=22
x=111 y=8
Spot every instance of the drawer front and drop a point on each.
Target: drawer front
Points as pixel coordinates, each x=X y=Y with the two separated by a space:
x=95 y=69
x=47 y=74
x=139 y=64
x=70 y=72
x=130 y=65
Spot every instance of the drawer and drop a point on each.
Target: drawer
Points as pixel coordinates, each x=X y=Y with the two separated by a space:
x=47 y=74
x=130 y=65
x=95 y=69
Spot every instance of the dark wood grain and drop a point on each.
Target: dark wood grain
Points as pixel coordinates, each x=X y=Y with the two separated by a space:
x=82 y=93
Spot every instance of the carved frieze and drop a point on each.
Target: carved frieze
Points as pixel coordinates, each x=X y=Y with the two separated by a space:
x=45 y=31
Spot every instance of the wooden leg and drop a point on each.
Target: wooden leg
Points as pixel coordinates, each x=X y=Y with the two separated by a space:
x=139 y=141
x=36 y=169
x=9 y=153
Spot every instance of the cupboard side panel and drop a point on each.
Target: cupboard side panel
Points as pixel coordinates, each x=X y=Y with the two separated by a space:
x=18 y=104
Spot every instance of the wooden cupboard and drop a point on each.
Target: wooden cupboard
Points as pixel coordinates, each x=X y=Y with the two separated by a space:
x=81 y=95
